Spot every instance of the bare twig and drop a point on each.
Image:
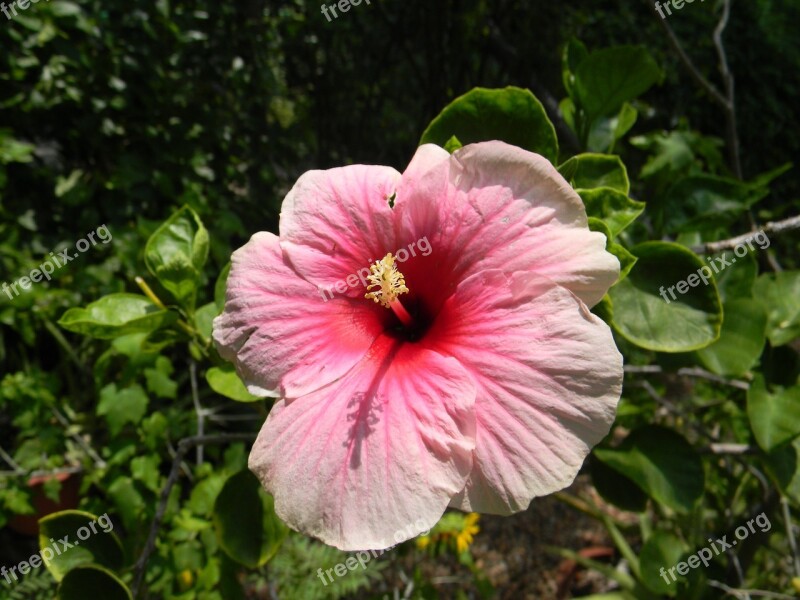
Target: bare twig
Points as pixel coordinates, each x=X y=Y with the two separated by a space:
x=743 y=594
x=198 y=409
x=771 y=228
x=184 y=446
x=787 y=517
x=11 y=462
x=42 y=472
x=695 y=73
x=727 y=78
x=730 y=449
x=98 y=461
x=689 y=372
x=727 y=100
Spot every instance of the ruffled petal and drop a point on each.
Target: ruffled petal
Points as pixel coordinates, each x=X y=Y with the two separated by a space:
x=335 y=223
x=549 y=378
x=280 y=332
x=505 y=208
x=375 y=458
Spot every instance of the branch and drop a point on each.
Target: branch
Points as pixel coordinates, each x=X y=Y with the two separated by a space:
x=790 y=534
x=198 y=409
x=773 y=227
x=727 y=78
x=690 y=372
x=744 y=593
x=184 y=446
x=695 y=73
x=726 y=101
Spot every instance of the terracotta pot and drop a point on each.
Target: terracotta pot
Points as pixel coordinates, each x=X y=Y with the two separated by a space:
x=69 y=498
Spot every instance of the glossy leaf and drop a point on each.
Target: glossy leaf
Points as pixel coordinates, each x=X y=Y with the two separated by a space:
x=780 y=293
x=100 y=548
x=121 y=406
x=596 y=170
x=116 y=315
x=176 y=253
x=626 y=259
x=614 y=487
x=248 y=529
x=645 y=312
x=511 y=114
x=774 y=413
x=662 y=463
x=661 y=551
x=741 y=340
x=226 y=382
x=616 y=209
x=92 y=581
x=608 y=78
x=706 y=202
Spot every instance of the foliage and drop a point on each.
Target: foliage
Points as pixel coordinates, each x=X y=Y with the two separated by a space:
x=181 y=125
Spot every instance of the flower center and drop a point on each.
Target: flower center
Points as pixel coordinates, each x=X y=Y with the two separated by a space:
x=390 y=283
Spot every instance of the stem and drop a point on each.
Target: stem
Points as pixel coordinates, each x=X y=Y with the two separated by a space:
x=773 y=227
x=184 y=446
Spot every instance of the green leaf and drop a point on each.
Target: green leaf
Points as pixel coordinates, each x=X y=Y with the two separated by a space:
x=608 y=78
x=774 y=415
x=127 y=405
x=741 y=340
x=662 y=463
x=159 y=381
x=660 y=551
x=612 y=206
x=738 y=282
x=596 y=170
x=145 y=469
x=102 y=547
x=176 y=253
x=220 y=287
x=645 y=312
x=204 y=318
x=706 y=202
x=617 y=489
x=248 y=529
x=453 y=144
x=575 y=53
x=511 y=114
x=226 y=382
x=780 y=293
x=116 y=315
x=626 y=259
x=91 y=581
x=604 y=132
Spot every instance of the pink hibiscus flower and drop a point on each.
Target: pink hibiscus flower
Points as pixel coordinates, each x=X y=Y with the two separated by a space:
x=472 y=375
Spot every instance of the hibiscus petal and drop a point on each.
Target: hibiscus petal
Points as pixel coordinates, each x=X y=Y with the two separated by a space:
x=279 y=331
x=375 y=458
x=549 y=377
x=506 y=208
x=336 y=222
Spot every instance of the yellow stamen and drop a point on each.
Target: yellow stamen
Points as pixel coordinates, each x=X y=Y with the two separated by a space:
x=386 y=277
x=391 y=284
